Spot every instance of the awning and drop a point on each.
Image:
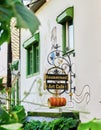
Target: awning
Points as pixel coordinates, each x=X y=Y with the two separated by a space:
x=31 y=40
x=65 y=15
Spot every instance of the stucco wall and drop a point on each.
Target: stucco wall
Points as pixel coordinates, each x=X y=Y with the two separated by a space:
x=3 y=60
x=88 y=56
x=87 y=30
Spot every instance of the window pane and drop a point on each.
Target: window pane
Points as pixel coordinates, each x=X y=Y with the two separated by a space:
x=36 y=58
x=70 y=36
x=30 y=62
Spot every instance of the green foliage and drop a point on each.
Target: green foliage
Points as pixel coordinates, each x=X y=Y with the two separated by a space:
x=15 y=126
x=25 y=18
x=4 y=31
x=1 y=84
x=17 y=115
x=94 y=124
x=14 y=120
x=4 y=116
x=57 y=124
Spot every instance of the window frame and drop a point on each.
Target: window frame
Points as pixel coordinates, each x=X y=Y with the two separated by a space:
x=66 y=19
x=31 y=46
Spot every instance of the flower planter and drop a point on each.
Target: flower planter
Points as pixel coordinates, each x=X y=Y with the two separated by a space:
x=56 y=101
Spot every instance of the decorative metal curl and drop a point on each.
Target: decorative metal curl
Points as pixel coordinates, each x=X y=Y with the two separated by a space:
x=85 y=94
x=61 y=64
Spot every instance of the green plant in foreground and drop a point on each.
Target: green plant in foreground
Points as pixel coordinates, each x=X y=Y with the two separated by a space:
x=15 y=9
x=14 y=126
x=18 y=113
x=13 y=120
x=4 y=116
x=57 y=124
x=94 y=124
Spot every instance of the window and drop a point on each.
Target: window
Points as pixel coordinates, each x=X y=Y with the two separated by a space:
x=66 y=20
x=32 y=49
x=67 y=36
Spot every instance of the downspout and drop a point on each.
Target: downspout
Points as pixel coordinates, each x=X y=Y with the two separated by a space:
x=19 y=79
x=9 y=61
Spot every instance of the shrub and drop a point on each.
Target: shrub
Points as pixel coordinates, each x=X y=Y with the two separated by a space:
x=56 y=124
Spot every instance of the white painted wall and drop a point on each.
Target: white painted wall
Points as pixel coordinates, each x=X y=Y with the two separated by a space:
x=87 y=30
x=88 y=55
x=3 y=60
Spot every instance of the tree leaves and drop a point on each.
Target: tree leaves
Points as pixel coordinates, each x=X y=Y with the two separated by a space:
x=94 y=124
x=14 y=126
x=56 y=124
x=4 y=116
x=25 y=18
x=4 y=32
x=5 y=13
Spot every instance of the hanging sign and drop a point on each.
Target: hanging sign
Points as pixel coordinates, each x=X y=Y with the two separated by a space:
x=56 y=81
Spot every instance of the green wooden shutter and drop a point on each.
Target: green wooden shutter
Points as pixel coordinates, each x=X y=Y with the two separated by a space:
x=29 y=61
x=37 y=58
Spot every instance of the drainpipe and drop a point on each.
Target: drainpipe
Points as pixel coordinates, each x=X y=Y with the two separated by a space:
x=8 y=89
x=18 y=83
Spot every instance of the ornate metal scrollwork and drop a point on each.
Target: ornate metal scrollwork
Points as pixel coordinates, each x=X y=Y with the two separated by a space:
x=61 y=66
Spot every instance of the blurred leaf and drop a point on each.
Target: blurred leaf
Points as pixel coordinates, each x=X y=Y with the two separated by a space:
x=2 y=2
x=4 y=32
x=18 y=113
x=15 y=126
x=25 y=18
x=4 y=116
x=5 y=14
x=91 y=125
x=1 y=79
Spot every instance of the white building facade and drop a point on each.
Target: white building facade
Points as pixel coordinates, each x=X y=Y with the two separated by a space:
x=75 y=26
x=3 y=60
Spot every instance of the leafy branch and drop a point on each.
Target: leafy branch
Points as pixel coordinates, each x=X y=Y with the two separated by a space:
x=25 y=18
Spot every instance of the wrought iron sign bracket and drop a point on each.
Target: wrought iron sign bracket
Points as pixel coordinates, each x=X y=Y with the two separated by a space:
x=59 y=78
